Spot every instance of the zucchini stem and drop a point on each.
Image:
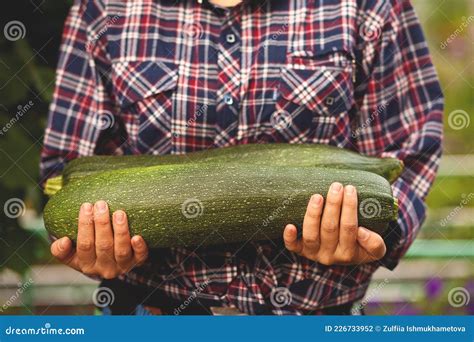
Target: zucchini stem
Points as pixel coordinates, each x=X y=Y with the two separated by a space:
x=53 y=185
x=395 y=208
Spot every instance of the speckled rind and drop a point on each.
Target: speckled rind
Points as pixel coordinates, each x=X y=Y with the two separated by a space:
x=234 y=202
x=257 y=154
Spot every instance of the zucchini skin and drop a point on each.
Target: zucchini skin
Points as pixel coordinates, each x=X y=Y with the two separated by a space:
x=207 y=204
x=259 y=154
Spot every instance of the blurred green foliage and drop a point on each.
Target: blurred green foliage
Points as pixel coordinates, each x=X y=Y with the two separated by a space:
x=453 y=60
x=448 y=192
x=26 y=82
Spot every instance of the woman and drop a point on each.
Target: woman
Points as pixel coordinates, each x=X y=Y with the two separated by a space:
x=162 y=77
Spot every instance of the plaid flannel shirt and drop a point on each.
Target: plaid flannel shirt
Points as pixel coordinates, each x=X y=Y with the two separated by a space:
x=168 y=76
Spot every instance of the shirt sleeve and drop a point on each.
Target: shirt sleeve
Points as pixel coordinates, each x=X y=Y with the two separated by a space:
x=81 y=106
x=401 y=108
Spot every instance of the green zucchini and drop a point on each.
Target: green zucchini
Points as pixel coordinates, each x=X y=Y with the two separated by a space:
x=205 y=204
x=257 y=154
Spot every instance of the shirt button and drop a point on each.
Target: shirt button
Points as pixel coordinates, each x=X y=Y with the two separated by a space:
x=230 y=38
x=228 y=99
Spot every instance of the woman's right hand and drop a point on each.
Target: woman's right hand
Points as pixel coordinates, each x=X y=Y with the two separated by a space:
x=103 y=248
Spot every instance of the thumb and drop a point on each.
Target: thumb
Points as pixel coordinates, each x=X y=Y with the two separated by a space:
x=372 y=245
x=62 y=249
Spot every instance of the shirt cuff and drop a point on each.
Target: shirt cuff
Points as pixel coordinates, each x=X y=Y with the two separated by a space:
x=402 y=232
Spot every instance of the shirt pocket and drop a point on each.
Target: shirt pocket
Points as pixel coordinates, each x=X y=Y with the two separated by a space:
x=145 y=93
x=314 y=90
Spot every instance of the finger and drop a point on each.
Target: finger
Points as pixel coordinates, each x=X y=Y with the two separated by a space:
x=63 y=250
x=104 y=239
x=140 y=250
x=290 y=237
x=85 y=245
x=348 y=226
x=311 y=224
x=372 y=247
x=329 y=232
x=122 y=244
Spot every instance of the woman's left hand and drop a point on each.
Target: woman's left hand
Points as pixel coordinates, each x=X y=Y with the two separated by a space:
x=332 y=236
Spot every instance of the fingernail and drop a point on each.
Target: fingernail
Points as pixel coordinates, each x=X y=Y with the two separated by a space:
x=119 y=216
x=62 y=244
x=101 y=207
x=316 y=199
x=350 y=189
x=336 y=187
x=138 y=242
x=87 y=208
x=362 y=233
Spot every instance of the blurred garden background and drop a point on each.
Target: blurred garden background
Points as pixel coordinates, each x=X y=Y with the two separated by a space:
x=436 y=277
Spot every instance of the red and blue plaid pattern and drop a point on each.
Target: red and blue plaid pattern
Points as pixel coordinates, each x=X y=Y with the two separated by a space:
x=170 y=76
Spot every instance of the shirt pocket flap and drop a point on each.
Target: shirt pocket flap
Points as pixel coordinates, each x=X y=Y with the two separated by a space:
x=323 y=88
x=137 y=80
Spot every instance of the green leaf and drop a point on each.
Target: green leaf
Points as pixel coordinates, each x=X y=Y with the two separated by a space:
x=19 y=153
